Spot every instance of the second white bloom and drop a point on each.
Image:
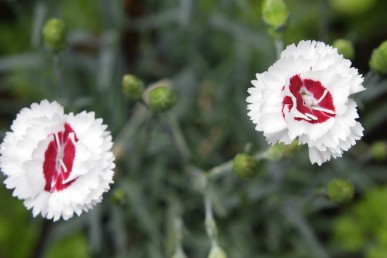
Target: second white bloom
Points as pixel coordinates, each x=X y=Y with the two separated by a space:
x=305 y=95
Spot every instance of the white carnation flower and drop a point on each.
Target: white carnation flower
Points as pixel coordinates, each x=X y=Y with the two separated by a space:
x=59 y=164
x=305 y=96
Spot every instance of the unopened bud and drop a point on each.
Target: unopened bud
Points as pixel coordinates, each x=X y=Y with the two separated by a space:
x=378 y=62
x=344 y=47
x=161 y=98
x=275 y=13
x=280 y=151
x=132 y=86
x=351 y=7
x=54 y=34
x=244 y=165
x=217 y=252
x=118 y=197
x=179 y=254
x=340 y=191
x=378 y=150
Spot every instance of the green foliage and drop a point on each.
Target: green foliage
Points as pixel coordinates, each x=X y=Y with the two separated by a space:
x=351 y=7
x=74 y=246
x=364 y=223
x=81 y=14
x=210 y=51
x=18 y=233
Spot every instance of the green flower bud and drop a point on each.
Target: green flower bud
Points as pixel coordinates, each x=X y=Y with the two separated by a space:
x=161 y=98
x=340 y=191
x=217 y=252
x=118 y=197
x=275 y=13
x=179 y=254
x=244 y=165
x=344 y=47
x=132 y=87
x=280 y=151
x=378 y=150
x=378 y=62
x=54 y=34
x=351 y=7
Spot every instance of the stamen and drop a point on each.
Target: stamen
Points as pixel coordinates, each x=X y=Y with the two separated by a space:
x=72 y=137
x=311 y=116
x=63 y=165
x=324 y=110
x=323 y=96
x=53 y=183
x=57 y=140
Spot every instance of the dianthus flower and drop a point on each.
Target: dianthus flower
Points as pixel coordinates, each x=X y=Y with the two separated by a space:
x=305 y=95
x=59 y=164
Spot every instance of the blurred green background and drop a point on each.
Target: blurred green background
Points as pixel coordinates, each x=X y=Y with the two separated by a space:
x=210 y=51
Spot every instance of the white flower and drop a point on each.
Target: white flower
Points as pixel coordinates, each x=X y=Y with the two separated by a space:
x=305 y=96
x=59 y=164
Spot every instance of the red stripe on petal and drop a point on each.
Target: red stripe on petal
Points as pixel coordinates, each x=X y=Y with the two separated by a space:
x=58 y=160
x=311 y=99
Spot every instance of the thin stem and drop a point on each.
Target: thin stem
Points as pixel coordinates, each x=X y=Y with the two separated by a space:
x=226 y=167
x=324 y=22
x=59 y=75
x=279 y=46
x=139 y=116
x=178 y=231
x=39 y=248
x=209 y=220
x=179 y=138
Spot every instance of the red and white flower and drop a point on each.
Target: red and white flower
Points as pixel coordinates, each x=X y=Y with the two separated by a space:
x=305 y=95
x=59 y=164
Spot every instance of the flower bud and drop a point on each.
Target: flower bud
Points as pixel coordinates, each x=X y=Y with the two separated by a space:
x=217 y=252
x=340 y=191
x=378 y=62
x=378 y=150
x=344 y=47
x=118 y=197
x=280 y=151
x=351 y=7
x=244 y=165
x=132 y=87
x=161 y=98
x=54 y=34
x=179 y=254
x=275 y=13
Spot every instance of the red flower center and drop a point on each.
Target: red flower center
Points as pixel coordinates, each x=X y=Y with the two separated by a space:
x=59 y=159
x=312 y=100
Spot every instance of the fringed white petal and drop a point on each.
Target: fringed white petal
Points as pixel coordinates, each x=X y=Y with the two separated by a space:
x=279 y=122
x=24 y=151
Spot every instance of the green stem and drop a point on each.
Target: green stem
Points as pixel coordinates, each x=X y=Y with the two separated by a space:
x=209 y=220
x=178 y=230
x=59 y=75
x=279 y=46
x=226 y=167
x=179 y=138
x=324 y=29
x=139 y=116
